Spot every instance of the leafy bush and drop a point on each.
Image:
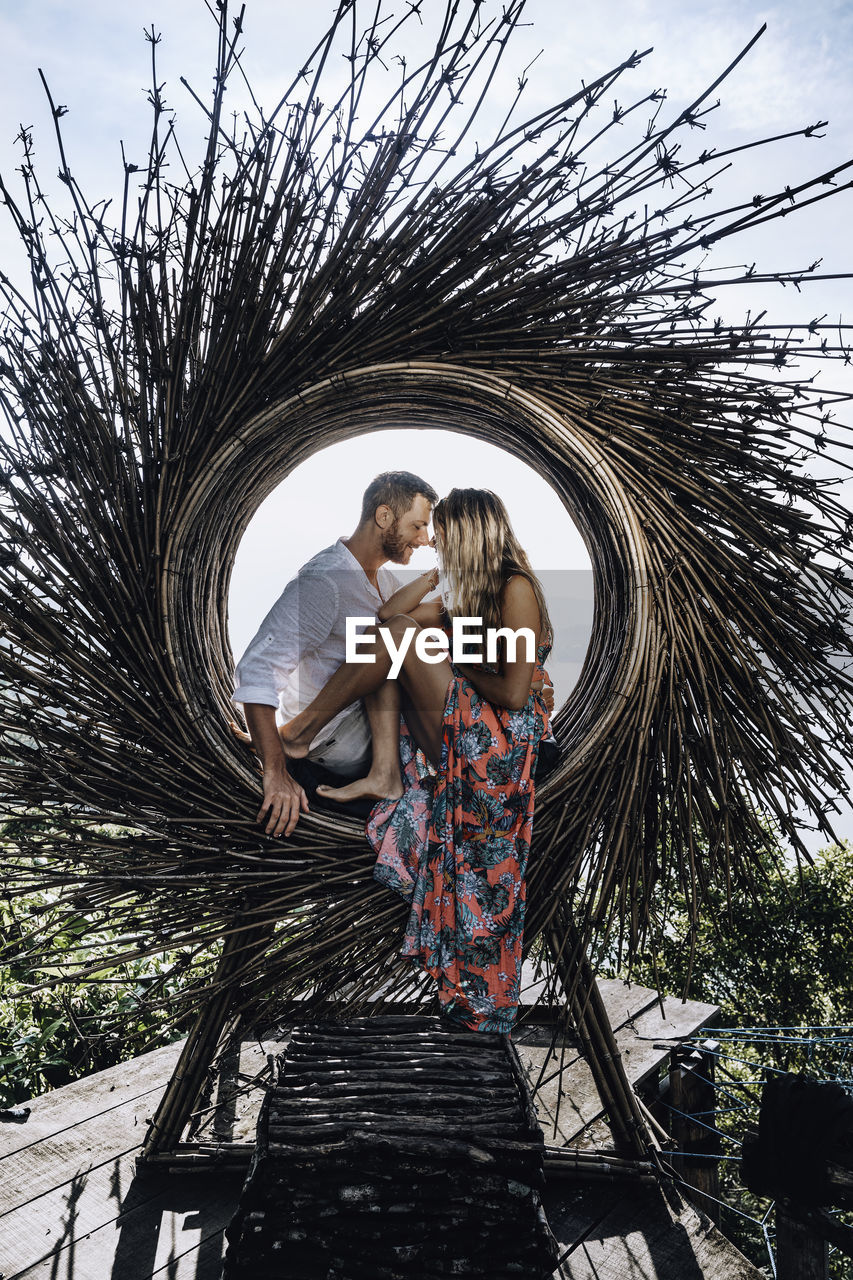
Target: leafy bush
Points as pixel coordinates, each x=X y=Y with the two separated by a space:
x=54 y=1029
x=783 y=960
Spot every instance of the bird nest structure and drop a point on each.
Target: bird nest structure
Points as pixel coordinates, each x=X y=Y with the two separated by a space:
x=350 y=262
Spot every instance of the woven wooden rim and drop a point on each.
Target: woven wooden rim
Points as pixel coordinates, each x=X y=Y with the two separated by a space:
x=208 y=529
x=153 y=388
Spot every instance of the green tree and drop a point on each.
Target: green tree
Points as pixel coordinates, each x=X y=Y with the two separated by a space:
x=778 y=956
x=55 y=1027
x=782 y=956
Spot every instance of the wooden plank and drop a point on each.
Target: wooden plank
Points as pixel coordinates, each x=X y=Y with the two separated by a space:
x=573 y=1210
x=166 y=1226
x=204 y=1262
x=69 y=1172
x=637 y=1238
x=62 y=1108
x=568 y=1105
x=717 y=1257
x=532 y=988
x=236 y=1114
x=75 y=1183
x=67 y=1142
x=65 y=1107
x=581 y=1105
x=71 y=1154
x=629 y=1005
x=613 y=1232
x=89 y=1200
x=642 y=1237
x=44 y=1227
x=625 y=1001
x=622 y=1000
x=679 y=1021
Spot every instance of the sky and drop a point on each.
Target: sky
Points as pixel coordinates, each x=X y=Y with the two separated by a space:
x=97 y=63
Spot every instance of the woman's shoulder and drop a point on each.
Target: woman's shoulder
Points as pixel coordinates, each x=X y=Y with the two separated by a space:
x=518 y=603
x=519 y=607
x=518 y=588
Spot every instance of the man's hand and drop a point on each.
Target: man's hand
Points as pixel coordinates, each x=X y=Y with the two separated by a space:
x=284 y=800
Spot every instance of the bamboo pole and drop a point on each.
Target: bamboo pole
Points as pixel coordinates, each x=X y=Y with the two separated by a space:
x=210 y=1028
x=589 y=1015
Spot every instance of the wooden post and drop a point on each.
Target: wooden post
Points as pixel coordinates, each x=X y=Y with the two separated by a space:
x=631 y=1134
x=691 y=1094
x=801 y=1254
x=191 y=1072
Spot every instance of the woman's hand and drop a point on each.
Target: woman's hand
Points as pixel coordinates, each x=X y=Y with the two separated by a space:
x=546 y=689
x=407 y=598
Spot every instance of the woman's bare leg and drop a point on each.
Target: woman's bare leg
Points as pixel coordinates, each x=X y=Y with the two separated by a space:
x=425 y=693
x=425 y=689
x=351 y=681
x=383 y=780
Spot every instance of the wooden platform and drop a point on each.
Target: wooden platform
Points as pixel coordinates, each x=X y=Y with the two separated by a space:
x=73 y=1208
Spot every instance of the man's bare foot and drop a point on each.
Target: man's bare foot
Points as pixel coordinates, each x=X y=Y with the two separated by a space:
x=373 y=787
x=296 y=745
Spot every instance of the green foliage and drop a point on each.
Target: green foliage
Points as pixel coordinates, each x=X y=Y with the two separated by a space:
x=782 y=960
x=51 y=1036
x=56 y=1027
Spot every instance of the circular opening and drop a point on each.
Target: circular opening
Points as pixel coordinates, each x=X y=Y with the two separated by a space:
x=319 y=501
x=206 y=533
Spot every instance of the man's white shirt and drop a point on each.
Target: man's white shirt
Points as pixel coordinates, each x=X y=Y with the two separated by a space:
x=302 y=640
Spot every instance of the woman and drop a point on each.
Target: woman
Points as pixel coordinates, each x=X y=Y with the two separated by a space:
x=456 y=842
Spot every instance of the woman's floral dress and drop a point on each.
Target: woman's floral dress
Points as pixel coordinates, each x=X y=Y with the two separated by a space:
x=456 y=845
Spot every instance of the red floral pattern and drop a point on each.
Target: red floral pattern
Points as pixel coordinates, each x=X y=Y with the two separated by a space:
x=457 y=844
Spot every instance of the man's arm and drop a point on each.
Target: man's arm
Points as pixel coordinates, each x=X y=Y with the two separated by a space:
x=298 y=622
x=284 y=799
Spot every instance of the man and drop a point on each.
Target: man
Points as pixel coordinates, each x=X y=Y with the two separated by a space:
x=301 y=643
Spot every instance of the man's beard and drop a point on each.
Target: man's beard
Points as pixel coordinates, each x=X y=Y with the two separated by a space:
x=394 y=546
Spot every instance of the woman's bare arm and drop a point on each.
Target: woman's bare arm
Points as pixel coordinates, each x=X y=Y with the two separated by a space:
x=511 y=686
x=409 y=598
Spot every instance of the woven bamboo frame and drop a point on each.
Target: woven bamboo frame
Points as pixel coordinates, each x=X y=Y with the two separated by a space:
x=206 y=533
x=340 y=279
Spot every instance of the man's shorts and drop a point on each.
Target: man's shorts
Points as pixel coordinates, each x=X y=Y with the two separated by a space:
x=347 y=751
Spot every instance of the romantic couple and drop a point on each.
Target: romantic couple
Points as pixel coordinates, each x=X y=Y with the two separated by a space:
x=446 y=752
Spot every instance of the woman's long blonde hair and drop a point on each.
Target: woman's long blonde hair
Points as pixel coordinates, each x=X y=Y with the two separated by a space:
x=477 y=553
